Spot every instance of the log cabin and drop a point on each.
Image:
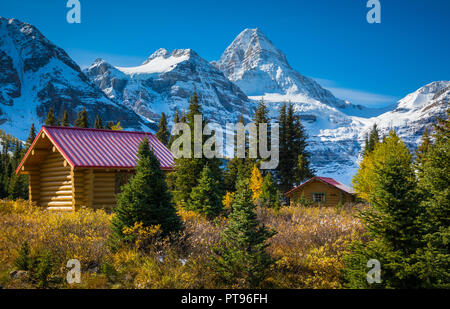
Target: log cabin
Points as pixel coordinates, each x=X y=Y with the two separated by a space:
x=322 y=191
x=69 y=168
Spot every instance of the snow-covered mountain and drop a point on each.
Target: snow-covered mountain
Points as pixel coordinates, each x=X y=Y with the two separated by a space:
x=336 y=128
x=416 y=111
x=36 y=75
x=164 y=83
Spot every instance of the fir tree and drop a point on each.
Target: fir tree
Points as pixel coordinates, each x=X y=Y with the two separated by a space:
x=269 y=194
x=163 y=132
x=176 y=119
x=98 y=123
x=188 y=169
x=65 y=119
x=237 y=168
x=31 y=136
x=374 y=139
x=82 y=119
x=261 y=116
x=390 y=222
x=51 y=120
x=240 y=259
x=294 y=165
x=432 y=260
x=145 y=199
x=205 y=198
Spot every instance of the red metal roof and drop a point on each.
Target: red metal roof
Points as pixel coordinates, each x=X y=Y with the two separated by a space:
x=326 y=180
x=99 y=148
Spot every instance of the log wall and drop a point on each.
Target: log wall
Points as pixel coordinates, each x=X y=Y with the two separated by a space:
x=55 y=183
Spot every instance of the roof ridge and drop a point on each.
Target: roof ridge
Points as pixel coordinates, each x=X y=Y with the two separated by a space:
x=94 y=129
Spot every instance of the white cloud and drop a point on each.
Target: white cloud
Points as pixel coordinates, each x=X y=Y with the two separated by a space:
x=355 y=96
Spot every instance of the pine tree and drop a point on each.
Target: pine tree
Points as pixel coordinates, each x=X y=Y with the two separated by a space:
x=294 y=162
x=256 y=182
x=82 y=119
x=163 y=132
x=432 y=260
x=187 y=170
x=145 y=199
x=51 y=120
x=65 y=119
x=390 y=221
x=237 y=168
x=98 y=123
x=269 y=194
x=261 y=116
x=205 y=198
x=240 y=260
x=374 y=139
x=31 y=136
x=176 y=119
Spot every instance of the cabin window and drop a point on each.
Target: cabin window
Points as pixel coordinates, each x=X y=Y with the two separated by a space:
x=318 y=197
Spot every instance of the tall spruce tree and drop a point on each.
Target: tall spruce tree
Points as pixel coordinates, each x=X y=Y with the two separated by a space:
x=163 y=132
x=374 y=139
x=144 y=199
x=187 y=170
x=390 y=221
x=262 y=116
x=269 y=194
x=237 y=167
x=176 y=119
x=51 y=120
x=82 y=120
x=65 y=119
x=31 y=136
x=98 y=123
x=294 y=162
x=206 y=197
x=240 y=260
x=432 y=260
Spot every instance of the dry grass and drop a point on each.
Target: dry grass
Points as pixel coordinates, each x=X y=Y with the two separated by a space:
x=308 y=248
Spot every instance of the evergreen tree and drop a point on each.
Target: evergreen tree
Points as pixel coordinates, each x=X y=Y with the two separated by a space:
x=98 y=123
x=432 y=260
x=374 y=139
x=31 y=136
x=176 y=119
x=240 y=260
x=163 y=132
x=145 y=199
x=269 y=194
x=65 y=119
x=294 y=161
x=261 y=116
x=51 y=120
x=82 y=119
x=205 y=198
x=390 y=221
x=237 y=168
x=187 y=170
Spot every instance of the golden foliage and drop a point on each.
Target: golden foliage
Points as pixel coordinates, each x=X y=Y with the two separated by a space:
x=227 y=200
x=256 y=181
x=364 y=180
x=308 y=247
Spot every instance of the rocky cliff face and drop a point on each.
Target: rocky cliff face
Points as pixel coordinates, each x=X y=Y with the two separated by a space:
x=36 y=75
x=164 y=83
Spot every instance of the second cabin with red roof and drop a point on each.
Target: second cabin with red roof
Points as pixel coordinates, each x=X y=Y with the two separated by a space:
x=322 y=191
x=69 y=168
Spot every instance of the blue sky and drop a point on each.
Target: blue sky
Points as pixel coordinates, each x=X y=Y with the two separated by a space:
x=372 y=64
